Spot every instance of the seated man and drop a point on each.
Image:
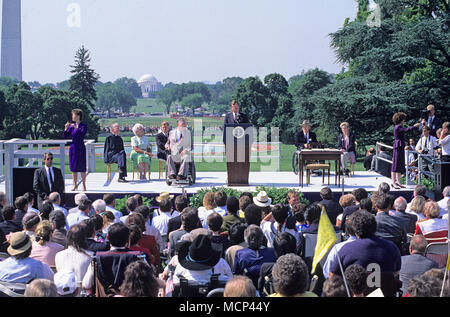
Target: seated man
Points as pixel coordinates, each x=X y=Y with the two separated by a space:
x=161 y=140
x=115 y=152
x=179 y=144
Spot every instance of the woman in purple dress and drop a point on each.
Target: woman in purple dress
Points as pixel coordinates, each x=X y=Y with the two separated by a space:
x=77 y=151
x=398 y=155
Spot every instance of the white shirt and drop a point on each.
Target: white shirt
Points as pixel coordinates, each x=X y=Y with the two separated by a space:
x=203 y=213
x=76 y=218
x=332 y=256
x=218 y=210
x=49 y=170
x=221 y=210
x=70 y=260
x=117 y=214
x=161 y=222
x=152 y=231
x=445 y=143
x=429 y=143
x=64 y=210
x=270 y=231
x=204 y=276
x=443 y=204
x=30 y=208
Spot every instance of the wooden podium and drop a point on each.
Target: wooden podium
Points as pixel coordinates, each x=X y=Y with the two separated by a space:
x=238 y=139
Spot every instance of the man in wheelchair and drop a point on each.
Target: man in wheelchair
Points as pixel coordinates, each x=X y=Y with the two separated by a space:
x=180 y=165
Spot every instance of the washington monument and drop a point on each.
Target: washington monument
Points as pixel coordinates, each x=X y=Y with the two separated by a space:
x=11 y=40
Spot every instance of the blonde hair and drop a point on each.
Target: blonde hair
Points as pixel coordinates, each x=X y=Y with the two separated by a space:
x=431 y=210
x=417 y=204
x=108 y=218
x=347 y=200
x=208 y=201
x=344 y=124
x=43 y=232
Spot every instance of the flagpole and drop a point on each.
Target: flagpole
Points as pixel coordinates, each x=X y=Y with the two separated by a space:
x=343 y=275
x=443 y=283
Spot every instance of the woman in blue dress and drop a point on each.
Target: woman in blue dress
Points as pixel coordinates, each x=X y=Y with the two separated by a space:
x=77 y=151
x=398 y=151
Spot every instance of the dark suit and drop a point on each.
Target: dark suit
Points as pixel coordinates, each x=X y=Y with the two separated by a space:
x=351 y=143
x=300 y=139
x=408 y=220
x=390 y=228
x=436 y=123
x=42 y=187
x=18 y=218
x=333 y=209
x=114 y=152
x=161 y=140
x=173 y=224
x=346 y=213
x=414 y=265
x=96 y=246
x=241 y=118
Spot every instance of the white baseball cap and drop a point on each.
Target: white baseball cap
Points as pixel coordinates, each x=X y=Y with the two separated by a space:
x=66 y=282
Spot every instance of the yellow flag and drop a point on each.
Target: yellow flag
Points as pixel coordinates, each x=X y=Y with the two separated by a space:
x=326 y=237
x=447 y=268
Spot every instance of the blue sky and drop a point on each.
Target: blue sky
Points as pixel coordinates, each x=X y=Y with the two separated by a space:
x=182 y=40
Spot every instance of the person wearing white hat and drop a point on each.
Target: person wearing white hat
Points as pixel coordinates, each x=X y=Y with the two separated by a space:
x=262 y=200
x=305 y=138
x=66 y=284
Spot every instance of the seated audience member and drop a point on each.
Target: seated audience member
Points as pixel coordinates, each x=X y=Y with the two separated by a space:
x=150 y=229
x=312 y=217
x=83 y=213
x=345 y=201
x=189 y=222
x=45 y=210
x=220 y=198
x=209 y=204
x=429 y=284
x=271 y=229
x=19 y=267
x=30 y=222
x=239 y=286
x=368 y=158
x=131 y=204
x=443 y=203
x=214 y=222
x=66 y=284
x=334 y=287
x=283 y=243
x=78 y=199
x=181 y=202
x=111 y=272
x=384 y=188
x=290 y=277
x=55 y=199
x=332 y=255
x=416 y=207
x=332 y=207
x=110 y=202
x=419 y=190
x=253 y=215
x=263 y=201
x=389 y=227
x=356 y=277
x=244 y=201
x=3 y=203
x=9 y=225
x=108 y=219
x=166 y=213
x=232 y=216
x=89 y=230
x=41 y=288
x=99 y=236
x=140 y=281
x=251 y=258
x=433 y=227
x=237 y=241
x=21 y=204
x=369 y=249
x=147 y=241
x=198 y=260
x=135 y=236
x=31 y=199
x=366 y=204
x=299 y=214
x=416 y=263
x=140 y=200
x=43 y=249
x=58 y=221
x=76 y=258
x=359 y=194
x=409 y=220
x=99 y=206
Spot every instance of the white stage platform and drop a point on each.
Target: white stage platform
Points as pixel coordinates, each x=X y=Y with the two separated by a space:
x=96 y=183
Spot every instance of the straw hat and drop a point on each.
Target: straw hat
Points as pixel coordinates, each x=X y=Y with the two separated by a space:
x=262 y=200
x=19 y=243
x=164 y=196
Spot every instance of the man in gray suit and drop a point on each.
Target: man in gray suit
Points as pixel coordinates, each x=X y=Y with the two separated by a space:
x=179 y=145
x=416 y=263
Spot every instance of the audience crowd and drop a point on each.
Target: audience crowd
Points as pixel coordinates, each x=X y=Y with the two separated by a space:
x=246 y=246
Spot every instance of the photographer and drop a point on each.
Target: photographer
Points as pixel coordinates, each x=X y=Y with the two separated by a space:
x=426 y=145
x=430 y=120
x=444 y=142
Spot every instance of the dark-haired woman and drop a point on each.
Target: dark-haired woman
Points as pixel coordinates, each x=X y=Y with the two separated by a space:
x=398 y=151
x=77 y=151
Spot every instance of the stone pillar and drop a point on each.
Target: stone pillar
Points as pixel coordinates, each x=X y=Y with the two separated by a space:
x=11 y=62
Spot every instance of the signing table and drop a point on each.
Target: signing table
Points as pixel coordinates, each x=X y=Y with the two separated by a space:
x=305 y=155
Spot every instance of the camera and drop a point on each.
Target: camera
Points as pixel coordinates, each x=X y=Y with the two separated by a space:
x=425 y=151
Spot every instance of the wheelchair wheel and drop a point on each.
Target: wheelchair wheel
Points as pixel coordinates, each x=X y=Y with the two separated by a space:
x=295 y=163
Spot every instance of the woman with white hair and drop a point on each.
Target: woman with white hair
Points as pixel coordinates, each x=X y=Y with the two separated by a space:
x=142 y=151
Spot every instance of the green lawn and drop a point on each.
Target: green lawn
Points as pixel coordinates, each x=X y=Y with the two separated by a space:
x=149 y=106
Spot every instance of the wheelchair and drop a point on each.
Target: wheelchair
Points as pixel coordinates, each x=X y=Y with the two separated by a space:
x=191 y=175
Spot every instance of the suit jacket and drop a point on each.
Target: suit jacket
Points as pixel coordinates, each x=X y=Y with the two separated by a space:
x=161 y=140
x=390 y=228
x=112 y=148
x=333 y=209
x=185 y=143
x=351 y=143
x=41 y=185
x=414 y=265
x=300 y=139
x=242 y=118
x=346 y=213
x=409 y=221
x=435 y=125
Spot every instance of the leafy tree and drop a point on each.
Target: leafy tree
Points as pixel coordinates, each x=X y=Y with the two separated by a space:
x=192 y=101
x=130 y=85
x=167 y=97
x=84 y=77
x=112 y=97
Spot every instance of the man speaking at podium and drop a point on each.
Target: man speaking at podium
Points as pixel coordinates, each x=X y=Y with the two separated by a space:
x=235 y=116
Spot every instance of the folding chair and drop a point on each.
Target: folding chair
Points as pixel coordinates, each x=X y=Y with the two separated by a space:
x=12 y=289
x=438 y=251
